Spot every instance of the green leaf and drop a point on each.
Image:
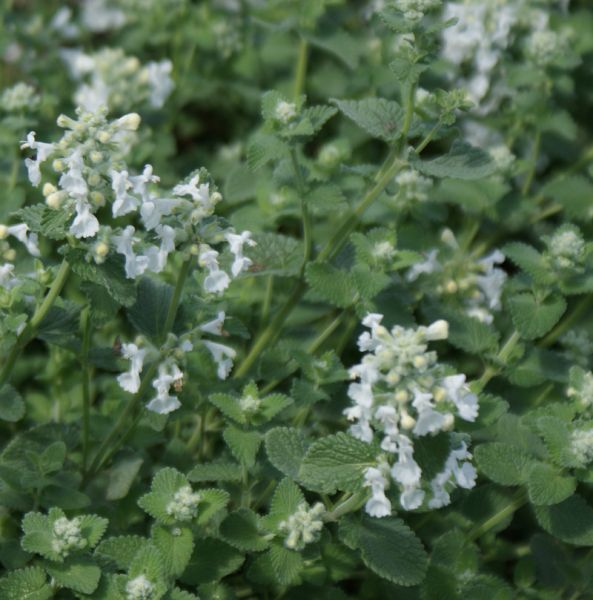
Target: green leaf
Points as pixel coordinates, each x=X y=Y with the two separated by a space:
x=341 y=45
x=122 y=475
x=164 y=485
x=502 y=463
x=149 y=312
x=275 y=254
x=264 y=148
x=557 y=438
x=461 y=162
x=286 y=564
x=529 y=260
x=38 y=530
x=285 y=502
x=379 y=117
x=46 y=221
x=333 y=285
x=150 y=563
x=574 y=193
x=243 y=444
x=533 y=318
x=92 y=528
x=228 y=406
x=120 y=550
x=392 y=550
x=548 y=486
x=212 y=501
x=215 y=471
x=176 y=545
x=177 y=594
x=241 y=530
x=286 y=449
x=570 y=521
x=12 y=407
x=470 y=335
x=110 y=275
x=79 y=574
x=336 y=462
x=211 y=560
x=53 y=457
x=26 y=584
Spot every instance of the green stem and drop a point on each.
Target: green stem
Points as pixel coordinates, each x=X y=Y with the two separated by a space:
x=428 y=138
x=86 y=384
x=300 y=184
x=126 y=421
x=265 y=313
x=301 y=69
x=517 y=502
x=568 y=322
x=350 y=504
x=28 y=333
x=501 y=358
x=534 y=155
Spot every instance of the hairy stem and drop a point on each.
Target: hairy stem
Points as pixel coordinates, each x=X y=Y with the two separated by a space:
x=300 y=72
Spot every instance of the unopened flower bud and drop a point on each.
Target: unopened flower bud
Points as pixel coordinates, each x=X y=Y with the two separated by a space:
x=54 y=200
x=96 y=156
x=48 y=189
x=129 y=122
x=101 y=249
x=451 y=287
x=104 y=136
x=420 y=362
x=439 y=330
x=97 y=199
x=401 y=396
x=3 y=232
x=58 y=165
x=407 y=422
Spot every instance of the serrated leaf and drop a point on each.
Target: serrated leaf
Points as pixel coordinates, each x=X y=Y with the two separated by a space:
x=176 y=545
x=379 y=117
x=461 y=162
x=211 y=560
x=243 y=444
x=470 y=335
x=228 y=406
x=285 y=502
x=532 y=317
x=333 y=285
x=529 y=260
x=264 y=148
x=79 y=574
x=275 y=254
x=570 y=521
x=120 y=550
x=12 y=407
x=148 y=561
x=287 y=564
x=241 y=530
x=318 y=116
x=164 y=485
x=392 y=550
x=149 y=313
x=336 y=462
x=54 y=224
x=503 y=464
x=26 y=584
x=92 y=528
x=286 y=449
x=547 y=486
x=215 y=471
x=38 y=536
x=557 y=438
x=341 y=45
x=212 y=501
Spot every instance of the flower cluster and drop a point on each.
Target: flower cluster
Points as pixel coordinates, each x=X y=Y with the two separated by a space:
x=476 y=286
x=412 y=187
x=581 y=387
x=402 y=393
x=169 y=356
x=67 y=536
x=414 y=10
x=139 y=588
x=184 y=505
x=581 y=445
x=19 y=97
x=111 y=79
x=303 y=526
x=566 y=249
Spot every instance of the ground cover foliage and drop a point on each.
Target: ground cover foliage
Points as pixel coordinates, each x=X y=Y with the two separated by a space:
x=295 y=299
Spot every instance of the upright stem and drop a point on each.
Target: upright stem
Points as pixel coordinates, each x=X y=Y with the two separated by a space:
x=534 y=154
x=300 y=72
x=174 y=305
x=86 y=384
x=502 y=357
x=517 y=502
x=28 y=332
x=307 y=233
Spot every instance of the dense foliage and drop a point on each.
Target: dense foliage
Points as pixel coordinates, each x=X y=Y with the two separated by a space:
x=294 y=299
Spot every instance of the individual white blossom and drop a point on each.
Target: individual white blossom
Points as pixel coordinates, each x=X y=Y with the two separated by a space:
x=7 y=278
x=124 y=202
x=414 y=10
x=164 y=402
x=303 y=526
x=135 y=265
x=67 y=536
x=457 y=471
x=378 y=505
x=184 y=505
x=215 y=326
x=139 y=588
x=21 y=232
x=100 y=16
x=236 y=242
x=581 y=387
x=412 y=186
x=130 y=380
x=223 y=357
x=217 y=280
x=43 y=151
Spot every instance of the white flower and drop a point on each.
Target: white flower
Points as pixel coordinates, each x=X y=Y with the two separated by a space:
x=427 y=266
x=581 y=445
x=72 y=180
x=236 y=242
x=124 y=202
x=184 y=506
x=303 y=526
x=124 y=244
x=21 y=232
x=429 y=420
x=285 y=111
x=160 y=82
x=43 y=152
x=464 y=475
x=130 y=381
x=157 y=257
x=215 y=326
x=411 y=498
x=67 y=536
x=463 y=398
x=164 y=403
x=223 y=356
x=85 y=224
x=199 y=194
x=139 y=588
x=378 y=505
x=217 y=280
x=7 y=278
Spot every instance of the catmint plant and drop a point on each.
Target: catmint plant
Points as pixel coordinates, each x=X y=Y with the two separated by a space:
x=295 y=300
